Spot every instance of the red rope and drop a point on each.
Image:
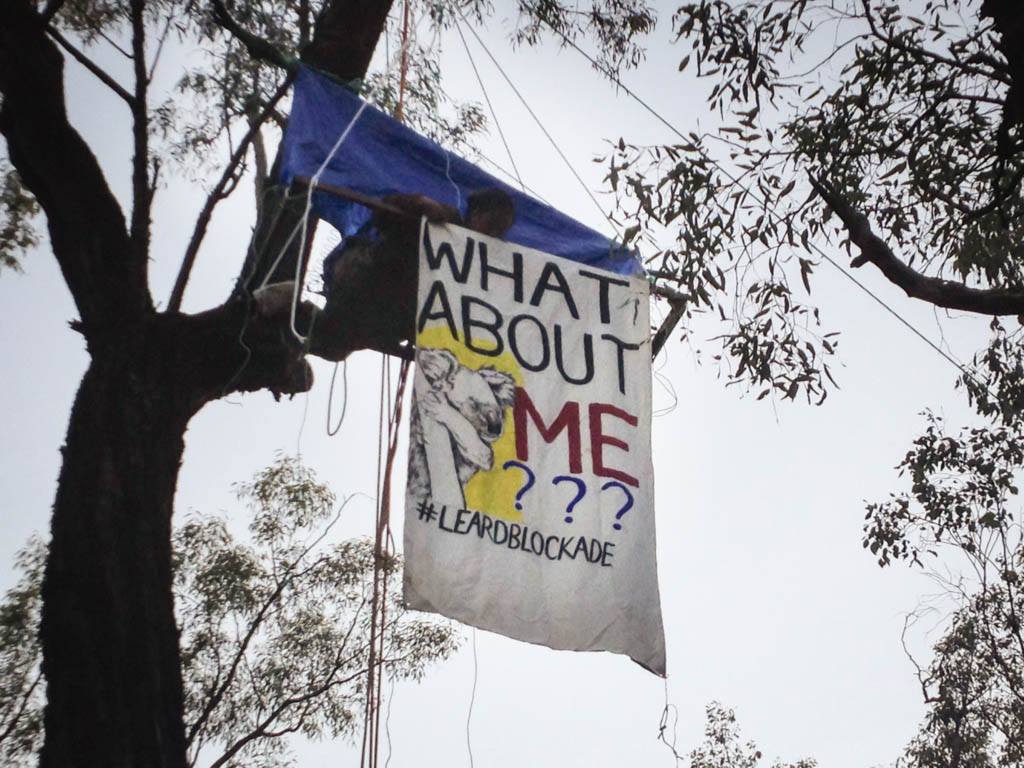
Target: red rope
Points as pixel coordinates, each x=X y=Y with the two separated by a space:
x=383 y=552
x=383 y=542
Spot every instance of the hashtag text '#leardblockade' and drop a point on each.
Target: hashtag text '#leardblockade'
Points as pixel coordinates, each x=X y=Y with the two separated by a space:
x=514 y=536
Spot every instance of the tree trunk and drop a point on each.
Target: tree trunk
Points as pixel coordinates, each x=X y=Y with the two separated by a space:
x=108 y=632
x=110 y=643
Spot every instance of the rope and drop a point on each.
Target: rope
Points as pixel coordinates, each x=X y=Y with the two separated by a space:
x=490 y=106
x=383 y=546
x=297 y=288
x=543 y=129
x=330 y=397
x=670 y=710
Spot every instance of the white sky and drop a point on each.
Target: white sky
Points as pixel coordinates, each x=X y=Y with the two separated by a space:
x=770 y=603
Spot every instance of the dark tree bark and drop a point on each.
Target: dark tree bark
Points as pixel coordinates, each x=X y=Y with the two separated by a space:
x=948 y=294
x=110 y=644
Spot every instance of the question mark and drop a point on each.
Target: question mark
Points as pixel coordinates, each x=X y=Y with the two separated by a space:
x=530 y=479
x=625 y=507
x=581 y=491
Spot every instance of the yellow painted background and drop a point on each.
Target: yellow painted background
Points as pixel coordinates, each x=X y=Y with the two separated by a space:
x=493 y=491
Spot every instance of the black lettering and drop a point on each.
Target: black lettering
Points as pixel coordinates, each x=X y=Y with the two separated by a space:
x=547 y=547
x=588 y=357
x=460 y=518
x=437 y=292
x=561 y=285
x=440 y=521
x=537 y=543
x=620 y=347
x=515 y=275
x=563 y=548
x=513 y=536
x=514 y=343
x=607 y=554
x=500 y=529
x=492 y=326
x=581 y=546
x=524 y=543
x=604 y=280
x=445 y=251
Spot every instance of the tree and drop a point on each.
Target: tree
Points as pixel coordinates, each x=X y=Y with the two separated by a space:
x=274 y=633
x=108 y=577
x=21 y=680
x=959 y=511
x=918 y=137
x=723 y=746
x=899 y=129
x=894 y=126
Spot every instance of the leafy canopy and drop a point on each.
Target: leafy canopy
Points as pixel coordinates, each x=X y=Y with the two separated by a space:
x=899 y=109
x=275 y=628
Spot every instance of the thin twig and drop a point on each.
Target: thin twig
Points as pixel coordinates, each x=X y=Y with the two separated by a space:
x=88 y=63
x=141 y=193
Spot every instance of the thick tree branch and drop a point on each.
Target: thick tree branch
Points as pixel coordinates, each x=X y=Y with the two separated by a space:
x=942 y=293
x=216 y=195
x=237 y=348
x=87 y=227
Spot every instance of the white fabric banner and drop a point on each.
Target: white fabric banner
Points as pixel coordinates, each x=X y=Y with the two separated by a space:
x=530 y=497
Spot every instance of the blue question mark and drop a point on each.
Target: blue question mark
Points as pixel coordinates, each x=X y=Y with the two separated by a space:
x=625 y=507
x=581 y=491
x=530 y=479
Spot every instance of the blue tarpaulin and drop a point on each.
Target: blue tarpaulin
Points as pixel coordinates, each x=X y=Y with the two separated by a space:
x=380 y=156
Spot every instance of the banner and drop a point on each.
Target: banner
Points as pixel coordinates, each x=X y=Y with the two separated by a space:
x=530 y=496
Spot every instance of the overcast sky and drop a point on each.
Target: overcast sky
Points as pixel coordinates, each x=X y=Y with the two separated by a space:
x=771 y=605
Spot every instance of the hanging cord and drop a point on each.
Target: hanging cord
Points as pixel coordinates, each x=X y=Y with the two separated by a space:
x=490 y=106
x=543 y=129
x=771 y=213
x=387 y=720
x=331 y=432
x=386 y=537
x=670 y=710
x=472 y=700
